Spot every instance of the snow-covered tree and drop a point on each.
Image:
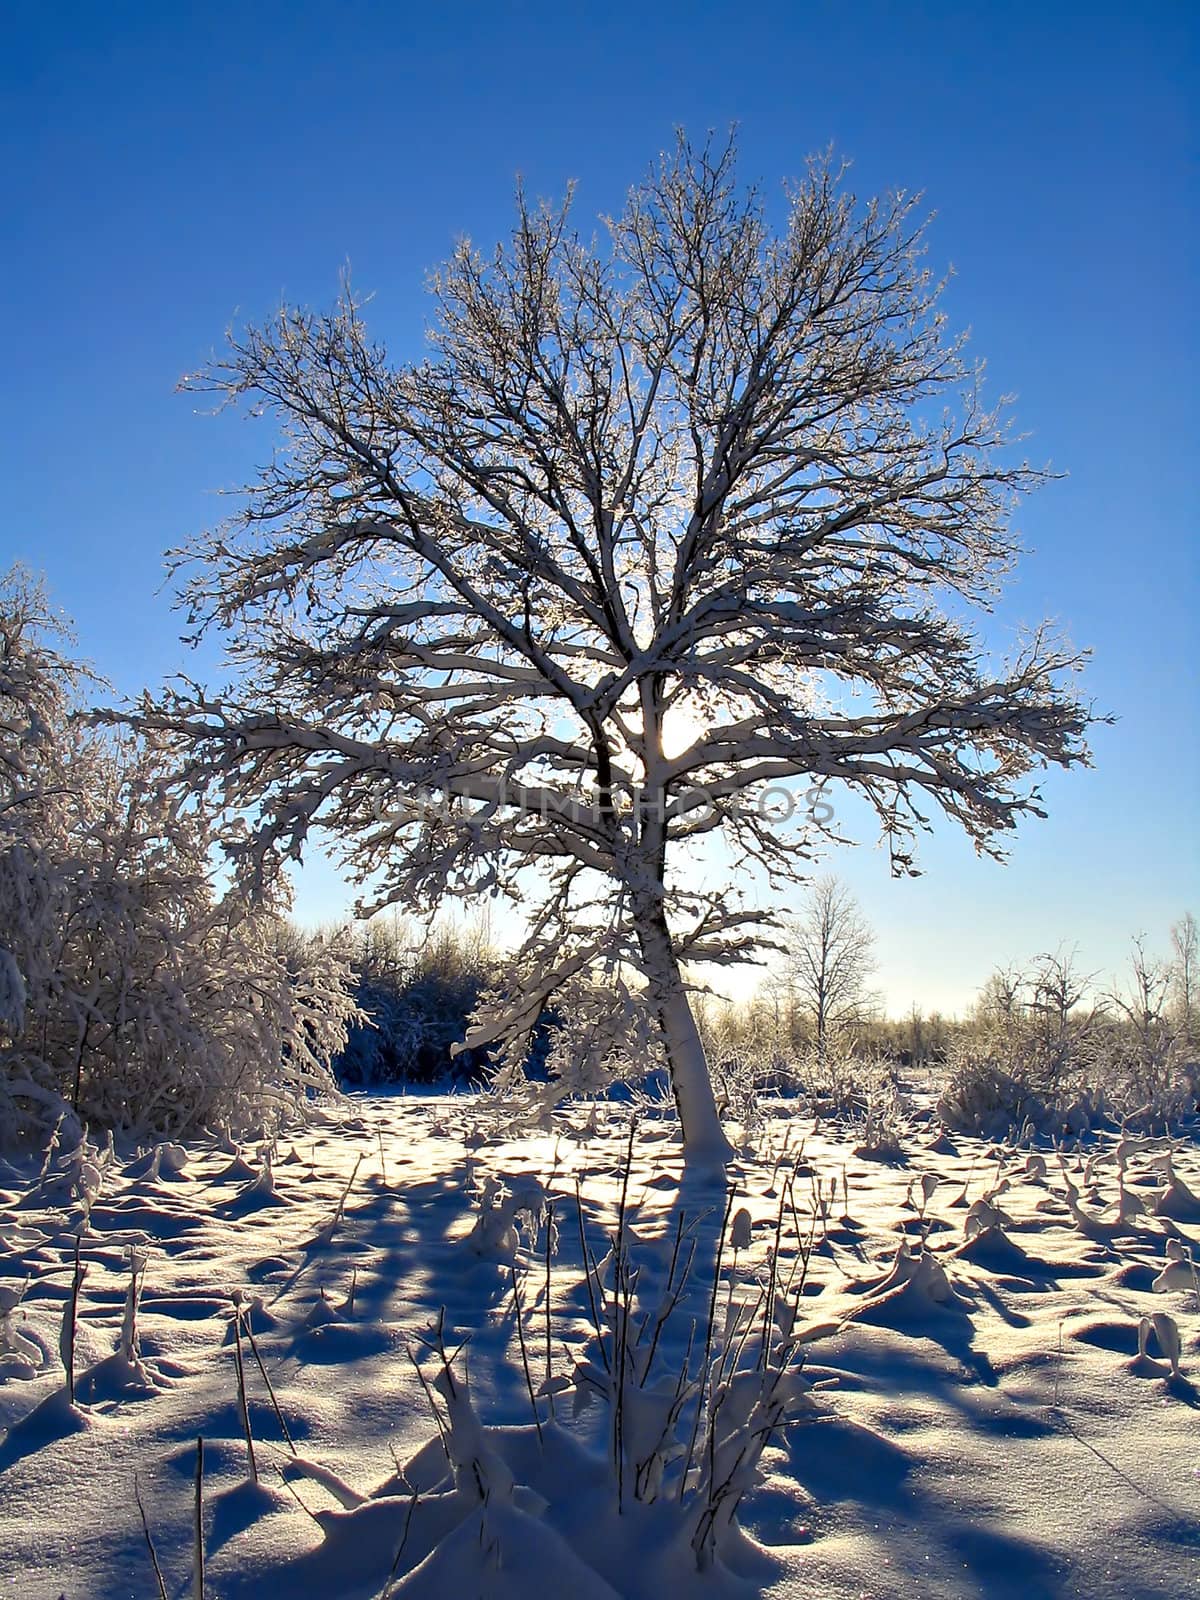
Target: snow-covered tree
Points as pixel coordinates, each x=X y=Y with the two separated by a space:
x=830 y=958
x=1152 y=1038
x=134 y=991
x=36 y=684
x=665 y=525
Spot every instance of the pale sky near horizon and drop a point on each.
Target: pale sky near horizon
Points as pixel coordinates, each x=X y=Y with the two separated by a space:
x=167 y=169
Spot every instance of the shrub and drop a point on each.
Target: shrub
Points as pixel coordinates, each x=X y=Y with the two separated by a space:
x=139 y=992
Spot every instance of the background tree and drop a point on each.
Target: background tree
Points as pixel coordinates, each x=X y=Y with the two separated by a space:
x=416 y=994
x=830 y=959
x=920 y=1037
x=1001 y=999
x=1061 y=1029
x=663 y=521
x=1185 y=977
x=1143 y=1003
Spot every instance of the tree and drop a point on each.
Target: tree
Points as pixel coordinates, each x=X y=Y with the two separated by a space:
x=1000 y=1003
x=1185 y=975
x=923 y=1038
x=663 y=525
x=1061 y=1036
x=133 y=991
x=1143 y=1005
x=416 y=995
x=829 y=962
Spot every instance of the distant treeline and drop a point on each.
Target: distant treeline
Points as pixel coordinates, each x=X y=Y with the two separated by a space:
x=1042 y=1044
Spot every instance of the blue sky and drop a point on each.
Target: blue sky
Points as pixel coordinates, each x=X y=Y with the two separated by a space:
x=166 y=168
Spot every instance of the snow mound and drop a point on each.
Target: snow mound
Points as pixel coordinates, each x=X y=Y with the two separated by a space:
x=505 y=1554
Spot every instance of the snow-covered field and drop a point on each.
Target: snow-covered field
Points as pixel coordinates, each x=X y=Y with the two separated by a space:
x=990 y=1412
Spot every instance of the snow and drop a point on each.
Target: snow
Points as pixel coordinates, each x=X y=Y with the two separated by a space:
x=12 y=995
x=998 y=1396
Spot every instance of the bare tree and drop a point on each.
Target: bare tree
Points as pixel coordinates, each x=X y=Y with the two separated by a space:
x=923 y=1037
x=1062 y=1031
x=1055 y=988
x=663 y=523
x=1185 y=975
x=1143 y=1005
x=830 y=958
x=1000 y=1000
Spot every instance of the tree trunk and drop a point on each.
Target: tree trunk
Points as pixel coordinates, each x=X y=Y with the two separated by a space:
x=704 y=1141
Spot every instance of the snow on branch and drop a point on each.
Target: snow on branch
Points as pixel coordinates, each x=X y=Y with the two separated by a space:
x=661 y=521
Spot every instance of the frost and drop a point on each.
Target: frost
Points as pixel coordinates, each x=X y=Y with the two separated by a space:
x=589 y=592
x=140 y=989
x=12 y=995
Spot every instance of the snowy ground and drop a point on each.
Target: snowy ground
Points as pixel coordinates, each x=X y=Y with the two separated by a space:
x=984 y=1423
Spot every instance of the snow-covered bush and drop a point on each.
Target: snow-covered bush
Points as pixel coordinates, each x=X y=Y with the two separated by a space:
x=983 y=1096
x=742 y=1077
x=151 y=997
x=1152 y=1064
x=1044 y=1055
x=754 y=1051
x=849 y=1083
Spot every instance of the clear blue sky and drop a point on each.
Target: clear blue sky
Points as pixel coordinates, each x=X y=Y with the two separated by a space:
x=167 y=167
